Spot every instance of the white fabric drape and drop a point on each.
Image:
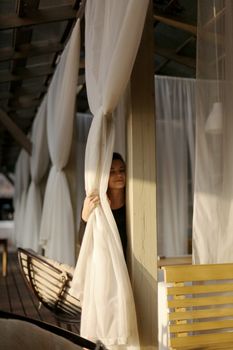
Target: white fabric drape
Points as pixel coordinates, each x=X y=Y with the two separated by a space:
x=22 y=178
x=213 y=198
x=120 y=114
x=39 y=162
x=175 y=128
x=83 y=125
x=57 y=226
x=112 y=35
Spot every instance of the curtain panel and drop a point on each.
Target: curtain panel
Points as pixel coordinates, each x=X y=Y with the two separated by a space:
x=175 y=101
x=22 y=179
x=39 y=162
x=57 y=224
x=112 y=36
x=213 y=199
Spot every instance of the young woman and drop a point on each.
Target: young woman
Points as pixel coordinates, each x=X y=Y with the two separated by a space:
x=116 y=196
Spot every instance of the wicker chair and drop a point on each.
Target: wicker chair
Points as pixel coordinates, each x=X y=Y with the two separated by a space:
x=50 y=281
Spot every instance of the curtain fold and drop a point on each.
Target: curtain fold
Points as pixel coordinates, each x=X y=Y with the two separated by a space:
x=22 y=178
x=39 y=162
x=112 y=36
x=175 y=132
x=83 y=125
x=57 y=224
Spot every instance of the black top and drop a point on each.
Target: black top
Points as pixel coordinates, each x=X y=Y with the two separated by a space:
x=120 y=218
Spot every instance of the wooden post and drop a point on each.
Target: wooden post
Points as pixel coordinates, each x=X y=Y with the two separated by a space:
x=141 y=189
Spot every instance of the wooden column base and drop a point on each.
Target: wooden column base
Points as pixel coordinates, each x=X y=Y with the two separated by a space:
x=4 y=244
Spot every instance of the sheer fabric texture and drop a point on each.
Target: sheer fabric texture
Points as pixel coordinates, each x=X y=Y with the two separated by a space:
x=101 y=278
x=175 y=129
x=22 y=179
x=39 y=162
x=213 y=199
x=57 y=225
x=83 y=123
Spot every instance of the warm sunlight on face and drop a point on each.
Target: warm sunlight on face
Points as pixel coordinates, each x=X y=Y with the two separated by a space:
x=117 y=175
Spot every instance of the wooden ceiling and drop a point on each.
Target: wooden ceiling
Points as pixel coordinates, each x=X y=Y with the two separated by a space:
x=33 y=33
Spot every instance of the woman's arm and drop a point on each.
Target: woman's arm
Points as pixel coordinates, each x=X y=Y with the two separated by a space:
x=89 y=204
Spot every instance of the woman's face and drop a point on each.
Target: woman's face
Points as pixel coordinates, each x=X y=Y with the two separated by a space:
x=117 y=175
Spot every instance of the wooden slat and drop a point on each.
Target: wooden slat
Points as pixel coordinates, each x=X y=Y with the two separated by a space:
x=189 y=302
x=185 y=273
x=200 y=289
x=176 y=260
x=200 y=303
x=193 y=342
x=201 y=326
x=198 y=314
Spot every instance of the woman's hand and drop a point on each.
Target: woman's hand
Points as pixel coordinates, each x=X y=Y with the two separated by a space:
x=89 y=204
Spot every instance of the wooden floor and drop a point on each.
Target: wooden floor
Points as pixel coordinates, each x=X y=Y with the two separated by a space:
x=15 y=297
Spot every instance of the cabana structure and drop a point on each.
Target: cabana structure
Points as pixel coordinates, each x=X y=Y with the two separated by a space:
x=48 y=39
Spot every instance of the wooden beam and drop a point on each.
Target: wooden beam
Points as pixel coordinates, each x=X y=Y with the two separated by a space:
x=16 y=105
x=171 y=55
x=15 y=131
x=176 y=24
x=55 y=14
x=7 y=176
x=185 y=43
x=28 y=50
x=26 y=73
x=23 y=7
x=23 y=93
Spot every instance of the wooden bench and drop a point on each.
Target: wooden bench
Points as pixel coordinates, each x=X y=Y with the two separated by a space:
x=174 y=260
x=200 y=306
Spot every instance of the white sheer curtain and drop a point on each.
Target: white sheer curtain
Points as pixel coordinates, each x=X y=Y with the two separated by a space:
x=175 y=128
x=83 y=125
x=101 y=281
x=39 y=162
x=213 y=199
x=120 y=115
x=57 y=225
x=22 y=178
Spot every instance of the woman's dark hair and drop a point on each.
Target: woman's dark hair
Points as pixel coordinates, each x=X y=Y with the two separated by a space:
x=117 y=156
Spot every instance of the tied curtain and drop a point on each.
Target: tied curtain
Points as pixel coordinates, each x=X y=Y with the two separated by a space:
x=39 y=162
x=57 y=225
x=112 y=36
x=175 y=100
x=213 y=197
